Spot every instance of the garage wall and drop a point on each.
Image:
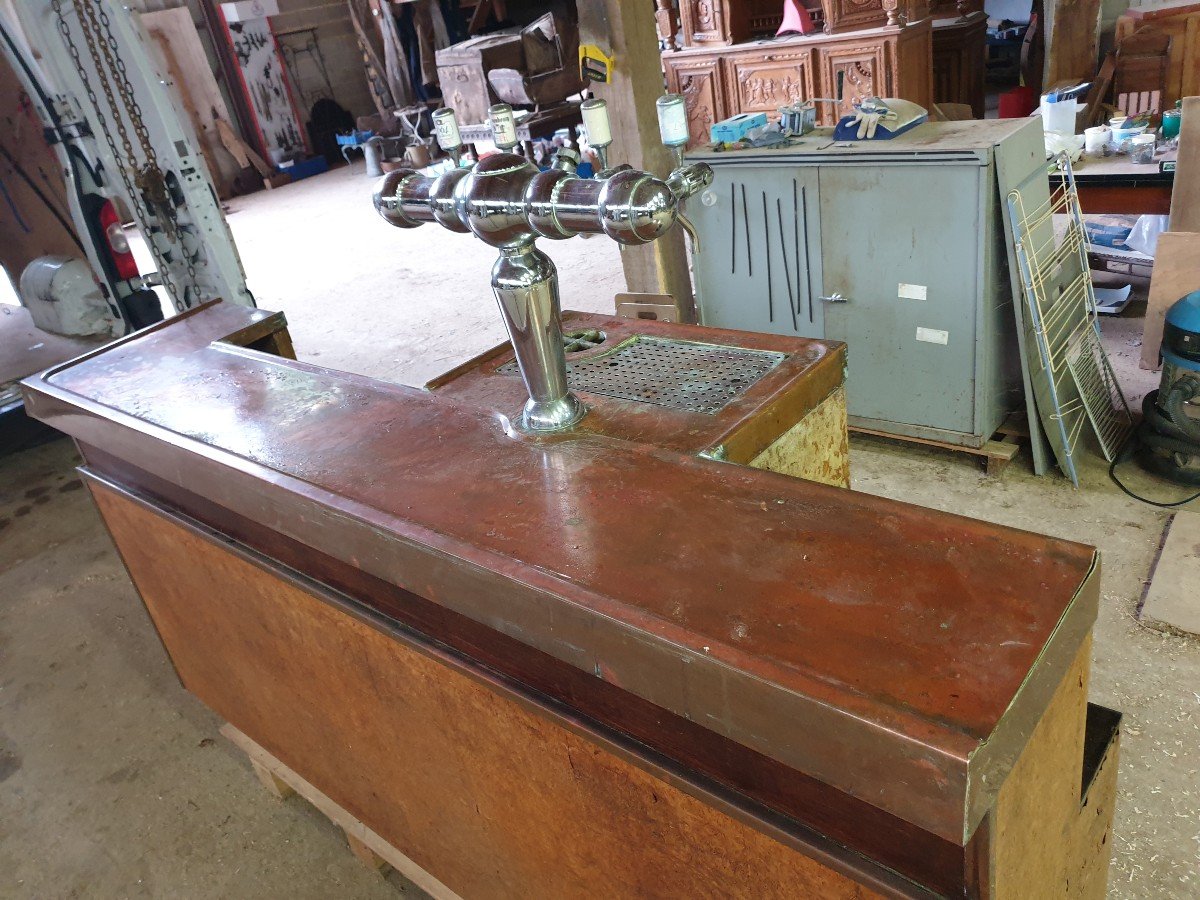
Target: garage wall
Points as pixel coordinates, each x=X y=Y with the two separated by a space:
x=335 y=37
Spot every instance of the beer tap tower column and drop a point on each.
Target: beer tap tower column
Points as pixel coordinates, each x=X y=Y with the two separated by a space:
x=508 y=203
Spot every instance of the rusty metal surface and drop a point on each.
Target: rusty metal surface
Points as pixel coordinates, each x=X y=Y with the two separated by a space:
x=748 y=422
x=874 y=645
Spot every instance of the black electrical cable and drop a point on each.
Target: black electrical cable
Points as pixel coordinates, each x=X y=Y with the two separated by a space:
x=1135 y=440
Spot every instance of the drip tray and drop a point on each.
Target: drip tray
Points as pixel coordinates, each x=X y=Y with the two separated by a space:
x=694 y=377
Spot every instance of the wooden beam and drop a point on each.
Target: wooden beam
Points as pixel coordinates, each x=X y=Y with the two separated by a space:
x=627 y=30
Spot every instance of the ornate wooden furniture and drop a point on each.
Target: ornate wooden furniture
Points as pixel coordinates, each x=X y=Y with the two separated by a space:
x=730 y=63
x=761 y=76
x=1181 y=23
x=960 y=60
x=719 y=23
x=578 y=663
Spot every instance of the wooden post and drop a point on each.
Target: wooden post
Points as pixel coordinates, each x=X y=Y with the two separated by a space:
x=626 y=29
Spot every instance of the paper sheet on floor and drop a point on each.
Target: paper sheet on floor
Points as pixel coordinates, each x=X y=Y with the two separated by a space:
x=1110 y=301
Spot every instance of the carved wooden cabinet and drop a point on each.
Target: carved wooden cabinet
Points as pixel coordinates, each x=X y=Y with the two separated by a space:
x=959 y=48
x=720 y=23
x=763 y=82
x=700 y=82
x=891 y=61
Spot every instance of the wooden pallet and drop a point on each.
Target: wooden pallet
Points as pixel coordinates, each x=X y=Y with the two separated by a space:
x=996 y=453
x=365 y=844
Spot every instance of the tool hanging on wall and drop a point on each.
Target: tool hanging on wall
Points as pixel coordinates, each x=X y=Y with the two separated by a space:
x=594 y=64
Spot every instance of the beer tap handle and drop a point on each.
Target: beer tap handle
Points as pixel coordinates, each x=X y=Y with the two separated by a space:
x=504 y=127
x=673 y=125
x=445 y=124
x=599 y=131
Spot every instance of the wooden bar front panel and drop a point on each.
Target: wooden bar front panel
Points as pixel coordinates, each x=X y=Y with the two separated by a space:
x=479 y=790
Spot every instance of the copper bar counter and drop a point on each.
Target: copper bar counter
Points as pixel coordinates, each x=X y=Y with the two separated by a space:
x=598 y=662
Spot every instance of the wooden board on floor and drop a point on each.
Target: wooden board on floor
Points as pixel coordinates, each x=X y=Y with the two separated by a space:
x=26 y=349
x=1173 y=598
x=1185 y=197
x=1176 y=273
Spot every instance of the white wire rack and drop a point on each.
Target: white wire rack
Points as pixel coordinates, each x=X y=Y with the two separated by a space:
x=1074 y=383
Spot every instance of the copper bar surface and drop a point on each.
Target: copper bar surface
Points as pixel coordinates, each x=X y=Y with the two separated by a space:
x=898 y=654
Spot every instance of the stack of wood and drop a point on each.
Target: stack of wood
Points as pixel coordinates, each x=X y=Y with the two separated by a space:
x=1155 y=62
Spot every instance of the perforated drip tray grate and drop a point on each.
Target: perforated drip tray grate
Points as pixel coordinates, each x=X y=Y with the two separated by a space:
x=701 y=378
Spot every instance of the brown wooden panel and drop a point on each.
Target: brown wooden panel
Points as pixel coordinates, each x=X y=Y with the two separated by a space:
x=482 y=792
x=815 y=815
x=864 y=71
x=852 y=15
x=703 y=90
x=958 y=62
x=764 y=81
x=713 y=23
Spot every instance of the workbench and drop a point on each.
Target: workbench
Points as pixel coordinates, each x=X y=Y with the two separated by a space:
x=610 y=660
x=1116 y=185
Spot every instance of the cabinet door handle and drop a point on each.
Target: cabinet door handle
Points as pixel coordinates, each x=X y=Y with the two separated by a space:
x=836 y=298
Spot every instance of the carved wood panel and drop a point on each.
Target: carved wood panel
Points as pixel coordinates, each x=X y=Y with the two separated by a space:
x=706 y=23
x=851 y=15
x=863 y=70
x=763 y=82
x=699 y=81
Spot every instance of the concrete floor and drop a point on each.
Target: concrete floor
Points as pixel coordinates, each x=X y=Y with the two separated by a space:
x=114 y=782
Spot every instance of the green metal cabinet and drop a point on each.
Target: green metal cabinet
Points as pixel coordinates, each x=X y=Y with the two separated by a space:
x=895 y=247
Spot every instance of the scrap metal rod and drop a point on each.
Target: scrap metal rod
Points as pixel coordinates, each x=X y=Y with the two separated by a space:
x=803 y=204
x=767 y=247
x=732 y=229
x=746 y=221
x=786 y=271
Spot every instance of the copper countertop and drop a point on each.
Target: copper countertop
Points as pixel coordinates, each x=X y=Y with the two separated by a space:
x=899 y=654
x=738 y=433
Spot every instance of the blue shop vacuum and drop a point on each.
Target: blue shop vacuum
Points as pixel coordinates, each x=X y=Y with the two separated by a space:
x=1168 y=440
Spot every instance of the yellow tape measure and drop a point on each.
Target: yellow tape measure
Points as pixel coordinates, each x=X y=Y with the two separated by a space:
x=595 y=64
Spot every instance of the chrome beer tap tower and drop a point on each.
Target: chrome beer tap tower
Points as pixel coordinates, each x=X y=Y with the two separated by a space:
x=505 y=201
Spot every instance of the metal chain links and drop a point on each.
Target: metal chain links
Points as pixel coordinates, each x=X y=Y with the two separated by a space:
x=144 y=182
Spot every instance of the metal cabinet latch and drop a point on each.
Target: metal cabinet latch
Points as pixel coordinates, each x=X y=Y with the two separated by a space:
x=836 y=298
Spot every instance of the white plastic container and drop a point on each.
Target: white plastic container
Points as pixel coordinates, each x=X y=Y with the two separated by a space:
x=1094 y=139
x=1059 y=117
x=1141 y=149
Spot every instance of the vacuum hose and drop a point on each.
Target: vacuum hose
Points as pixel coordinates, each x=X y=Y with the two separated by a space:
x=1167 y=441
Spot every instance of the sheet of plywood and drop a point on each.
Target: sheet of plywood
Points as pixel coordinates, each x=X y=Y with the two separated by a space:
x=35 y=216
x=1073 y=36
x=1176 y=272
x=175 y=35
x=1185 y=192
x=1173 y=598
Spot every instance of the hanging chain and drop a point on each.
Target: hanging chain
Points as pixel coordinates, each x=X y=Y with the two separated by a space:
x=144 y=183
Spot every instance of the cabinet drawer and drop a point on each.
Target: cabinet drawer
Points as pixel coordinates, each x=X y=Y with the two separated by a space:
x=765 y=81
